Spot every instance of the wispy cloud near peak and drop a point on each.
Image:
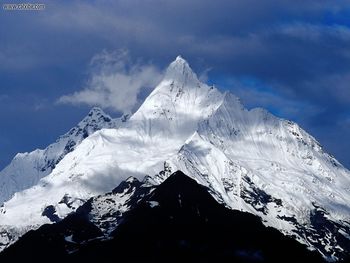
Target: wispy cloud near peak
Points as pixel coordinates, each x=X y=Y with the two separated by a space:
x=115 y=82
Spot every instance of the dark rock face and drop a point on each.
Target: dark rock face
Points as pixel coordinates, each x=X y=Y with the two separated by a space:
x=50 y=213
x=323 y=233
x=179 y=221
x=323 y=230
x=257 y=197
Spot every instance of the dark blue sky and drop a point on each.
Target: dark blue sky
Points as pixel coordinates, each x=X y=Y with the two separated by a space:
x=292 y=57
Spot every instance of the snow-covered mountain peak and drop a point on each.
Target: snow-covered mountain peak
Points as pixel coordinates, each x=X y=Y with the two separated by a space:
x=180 y=71
x=178 y=102
x=180 y=59
x=96 y=111
x=26 y=169
x=94 y=116
x=179 y=93
x=232 y=101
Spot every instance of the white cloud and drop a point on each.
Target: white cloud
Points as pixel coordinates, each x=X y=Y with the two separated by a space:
x=115 y=82
x=203 y=76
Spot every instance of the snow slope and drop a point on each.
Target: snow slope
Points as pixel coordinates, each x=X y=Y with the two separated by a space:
x=249 y=159
x=26 y=169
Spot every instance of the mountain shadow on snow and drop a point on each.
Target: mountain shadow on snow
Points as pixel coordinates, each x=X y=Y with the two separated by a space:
x=179 y=221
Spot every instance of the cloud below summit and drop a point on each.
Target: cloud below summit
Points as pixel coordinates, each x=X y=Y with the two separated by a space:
x=115 y=82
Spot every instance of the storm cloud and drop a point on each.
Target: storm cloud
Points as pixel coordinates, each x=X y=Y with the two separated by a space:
x=292 y=57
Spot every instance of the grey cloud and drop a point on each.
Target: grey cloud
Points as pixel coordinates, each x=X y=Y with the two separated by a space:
x=115 y=82
x=299 y=49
